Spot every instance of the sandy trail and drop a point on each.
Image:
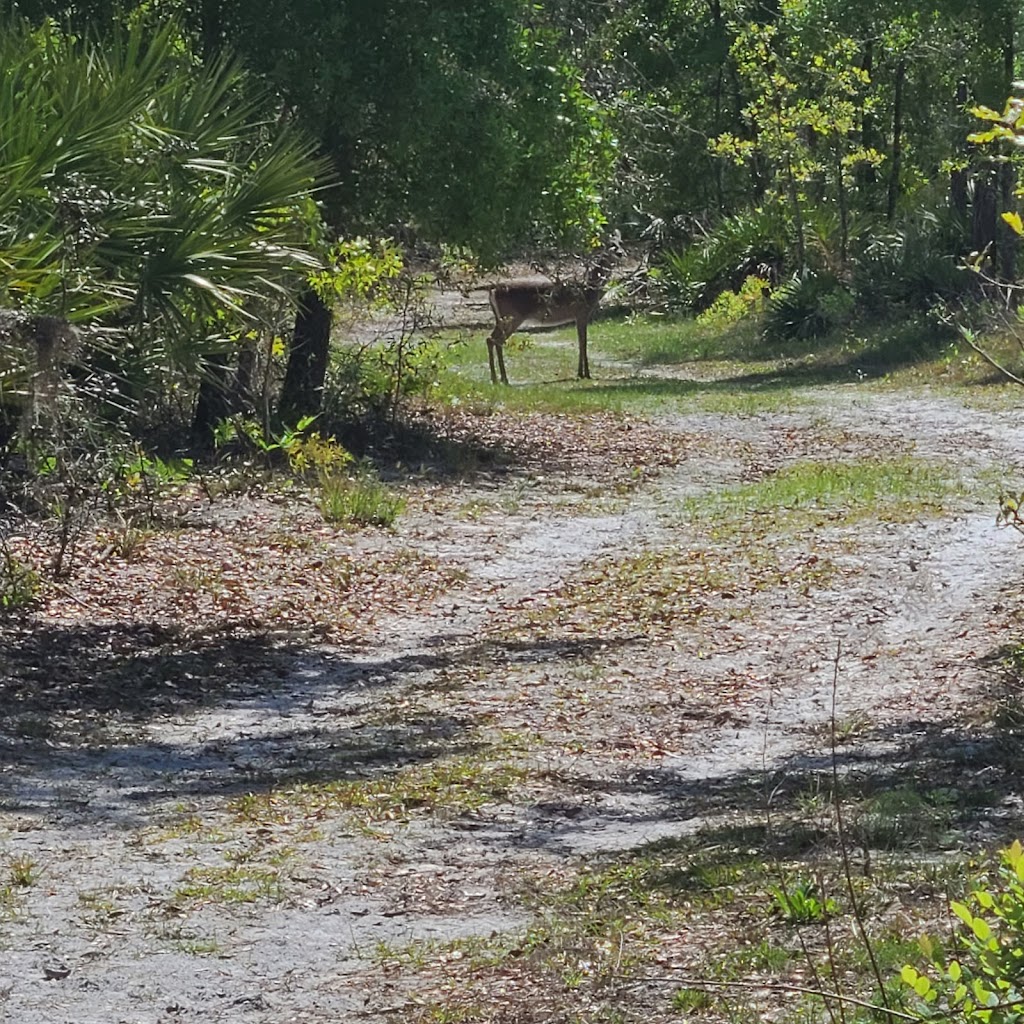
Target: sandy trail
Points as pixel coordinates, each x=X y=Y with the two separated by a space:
x=628 y=739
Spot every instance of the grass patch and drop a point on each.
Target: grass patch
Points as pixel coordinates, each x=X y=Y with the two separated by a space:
x=731 y=371
x=23 y=871
x=685 y=927
x=99 y=907
x=231 y=884
x=200 y=947
x=901 y=818
x=358 y=501
x=542 y=368
x=892 y=489
x=8 y=901
x=451 y=786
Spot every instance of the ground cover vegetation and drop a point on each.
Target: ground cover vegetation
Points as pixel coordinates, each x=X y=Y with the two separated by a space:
x=247 y=436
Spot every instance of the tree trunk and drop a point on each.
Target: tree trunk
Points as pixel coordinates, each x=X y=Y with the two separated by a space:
x=212 y=405
x=983 y=213
x=242 y=386
x=897 y=141
x=302 y=390
x=958 y=178
x=866 y=174
x=1007 y=241
x=716 y=14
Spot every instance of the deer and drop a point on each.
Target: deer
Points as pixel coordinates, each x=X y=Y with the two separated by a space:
x=546 y=304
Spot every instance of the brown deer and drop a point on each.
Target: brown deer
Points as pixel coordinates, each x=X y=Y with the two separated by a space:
x=546 y=304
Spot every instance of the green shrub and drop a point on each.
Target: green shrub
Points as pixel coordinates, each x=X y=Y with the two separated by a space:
x=807 y=307
x=19 y=584
x=985 y=982
x=751 y=243
x=912 y=265
x=733 y=307
x=802 y=904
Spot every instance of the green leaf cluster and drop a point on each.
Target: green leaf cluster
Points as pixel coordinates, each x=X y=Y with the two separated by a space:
x=985 y=981
x=144 y=191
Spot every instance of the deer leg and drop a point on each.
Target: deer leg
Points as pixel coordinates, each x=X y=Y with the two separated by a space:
x=583 y=369
x=496 y=355
x=490 y=357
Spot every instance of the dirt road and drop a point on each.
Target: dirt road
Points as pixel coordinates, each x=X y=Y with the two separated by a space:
x=603 y=654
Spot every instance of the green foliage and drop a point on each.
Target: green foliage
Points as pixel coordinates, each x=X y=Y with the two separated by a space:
x=730 y=308
x=359 y=500
x=313 y=455
x=144 y=193
x=807 y=307
x=804 y=128
x=371 y=382
x=431 y=110
x=304 y=451
x=19 y=584
x=911 y=264
x=1011 y=511
x=802 y=904
x=1005 y=125
x=982 y=982
x=689 y=1000
x=359 y=270
x=752 y=243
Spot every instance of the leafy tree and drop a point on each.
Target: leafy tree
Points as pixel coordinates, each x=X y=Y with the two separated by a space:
x=802 y=131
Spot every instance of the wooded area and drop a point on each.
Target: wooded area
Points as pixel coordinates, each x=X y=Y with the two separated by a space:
x=176 y=176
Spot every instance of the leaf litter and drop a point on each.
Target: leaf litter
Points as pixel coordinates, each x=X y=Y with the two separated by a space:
x=271 y=770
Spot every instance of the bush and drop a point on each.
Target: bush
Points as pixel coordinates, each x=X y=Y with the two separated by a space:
x=752 y=243
x=807 y=307
x=733 y=307
x=911 y=265
x=19 y=584
x=985 y=983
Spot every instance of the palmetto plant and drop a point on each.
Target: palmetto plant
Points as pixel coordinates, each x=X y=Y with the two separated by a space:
x=754 y=242
x=144 y=192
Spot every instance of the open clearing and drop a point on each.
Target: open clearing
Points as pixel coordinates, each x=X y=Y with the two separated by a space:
x=538 y=753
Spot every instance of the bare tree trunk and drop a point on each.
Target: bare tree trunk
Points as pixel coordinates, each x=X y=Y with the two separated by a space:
x=241 y=387
x=1007 y=241
x=302 y=390
x=897 y=141
x=958 y=178
x=213 y=404
x=984 y=212
x=46 y=342
x=866 y=174
x=716 y=14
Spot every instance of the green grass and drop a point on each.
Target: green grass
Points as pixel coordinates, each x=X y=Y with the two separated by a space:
x=231 y=883
x=23 y=871
x=358 y=501
x=452 y=785
x=718 y=373
x=650 y=364
x=893 y=489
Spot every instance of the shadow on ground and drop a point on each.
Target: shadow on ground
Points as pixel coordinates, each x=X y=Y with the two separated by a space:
x=76 y=703
x=928 y=785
